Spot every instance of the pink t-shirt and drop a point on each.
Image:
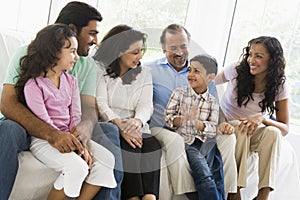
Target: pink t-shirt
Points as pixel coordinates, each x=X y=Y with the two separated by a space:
x=229 y=100
x=59 y=107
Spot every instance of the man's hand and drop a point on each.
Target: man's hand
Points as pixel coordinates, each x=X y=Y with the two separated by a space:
x=65 y=142
x=82 y=133
x=225 y=128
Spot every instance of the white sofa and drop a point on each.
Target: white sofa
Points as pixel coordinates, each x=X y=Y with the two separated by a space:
x=34 y=180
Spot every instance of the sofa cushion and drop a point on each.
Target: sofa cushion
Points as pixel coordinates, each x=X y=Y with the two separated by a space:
x=34 y=180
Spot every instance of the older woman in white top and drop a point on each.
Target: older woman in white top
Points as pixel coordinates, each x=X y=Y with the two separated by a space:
x=124 y=97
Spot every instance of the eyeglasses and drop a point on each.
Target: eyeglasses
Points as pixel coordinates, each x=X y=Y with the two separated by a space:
x=176 y=48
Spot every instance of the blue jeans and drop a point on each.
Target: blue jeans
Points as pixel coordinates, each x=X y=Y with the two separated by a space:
x=111 y=140
x=207 y=172
x=14 y=139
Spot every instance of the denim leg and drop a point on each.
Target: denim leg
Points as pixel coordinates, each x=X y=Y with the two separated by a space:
x=204 y=181
x=13 y=139
x=215 y=162
x=107 y=134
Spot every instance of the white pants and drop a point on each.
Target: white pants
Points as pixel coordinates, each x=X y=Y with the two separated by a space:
x=74 y=169
x=226 y=146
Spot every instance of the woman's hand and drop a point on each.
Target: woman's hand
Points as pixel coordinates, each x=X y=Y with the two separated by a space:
x=225 y=128
x=131 y=125
x=249 y=125
x=133 y=140
x=130 y=130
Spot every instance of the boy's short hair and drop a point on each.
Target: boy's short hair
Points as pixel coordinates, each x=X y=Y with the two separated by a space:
x=209 y=63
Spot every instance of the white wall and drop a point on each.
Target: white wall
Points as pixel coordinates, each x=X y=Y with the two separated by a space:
x=209 y=24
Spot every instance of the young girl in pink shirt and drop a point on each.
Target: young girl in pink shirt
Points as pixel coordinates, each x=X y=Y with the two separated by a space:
x=53 y=95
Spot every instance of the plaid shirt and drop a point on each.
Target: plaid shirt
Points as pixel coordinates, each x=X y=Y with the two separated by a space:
x=208 y=113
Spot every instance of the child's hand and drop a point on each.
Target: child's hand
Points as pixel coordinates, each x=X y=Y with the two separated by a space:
x=225 y=128
x=87 y=156
x=184 y=115
x=188 y=114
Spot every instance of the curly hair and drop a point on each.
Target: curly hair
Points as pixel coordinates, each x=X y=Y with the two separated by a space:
x=115 y=42
x=42 y=54
x=274 y=79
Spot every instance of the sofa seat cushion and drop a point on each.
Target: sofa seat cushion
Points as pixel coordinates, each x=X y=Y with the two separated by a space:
x=34 y=180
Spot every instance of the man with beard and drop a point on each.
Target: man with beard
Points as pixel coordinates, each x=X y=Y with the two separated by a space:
x=169 y=73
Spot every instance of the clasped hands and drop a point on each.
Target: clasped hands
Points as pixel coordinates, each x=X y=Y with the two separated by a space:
x=189 y=116
x=130 y=130
x=66 y=142
x=248 y=125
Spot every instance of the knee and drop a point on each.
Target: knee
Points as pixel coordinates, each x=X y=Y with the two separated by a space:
x=109 y=127
x=9 y=127
x=176 y=142
x=226 y=141
x=110 y=130
x=272 y=133
x=154 y=143
x=106 y=134
x=11 y=133
x=78 y=168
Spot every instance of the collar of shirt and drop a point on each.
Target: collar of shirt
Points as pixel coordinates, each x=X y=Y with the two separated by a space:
x=204 y=96
x=164 y=62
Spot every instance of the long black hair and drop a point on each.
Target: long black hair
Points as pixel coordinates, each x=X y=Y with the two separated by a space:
x=115 y=42
x=42 y=54
x=274 y=79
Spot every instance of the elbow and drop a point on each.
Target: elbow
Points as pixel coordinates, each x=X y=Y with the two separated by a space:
x=4 y=108
x=285 y=131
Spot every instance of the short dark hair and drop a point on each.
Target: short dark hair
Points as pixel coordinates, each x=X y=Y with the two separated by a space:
x=172 y=28
x=209 y=63
x=79 y=14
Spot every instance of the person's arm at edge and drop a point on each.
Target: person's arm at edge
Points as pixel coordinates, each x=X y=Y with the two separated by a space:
x=220 y=78
x=282 y=117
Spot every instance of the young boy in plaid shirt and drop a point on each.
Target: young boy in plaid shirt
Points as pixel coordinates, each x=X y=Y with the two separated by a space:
x=193 y=113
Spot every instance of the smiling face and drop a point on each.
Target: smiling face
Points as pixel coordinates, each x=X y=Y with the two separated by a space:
x=87 y=37
x=68 y=55
x=131 y=57
x=197 y=77
x=176 y=49
x=258 y=59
